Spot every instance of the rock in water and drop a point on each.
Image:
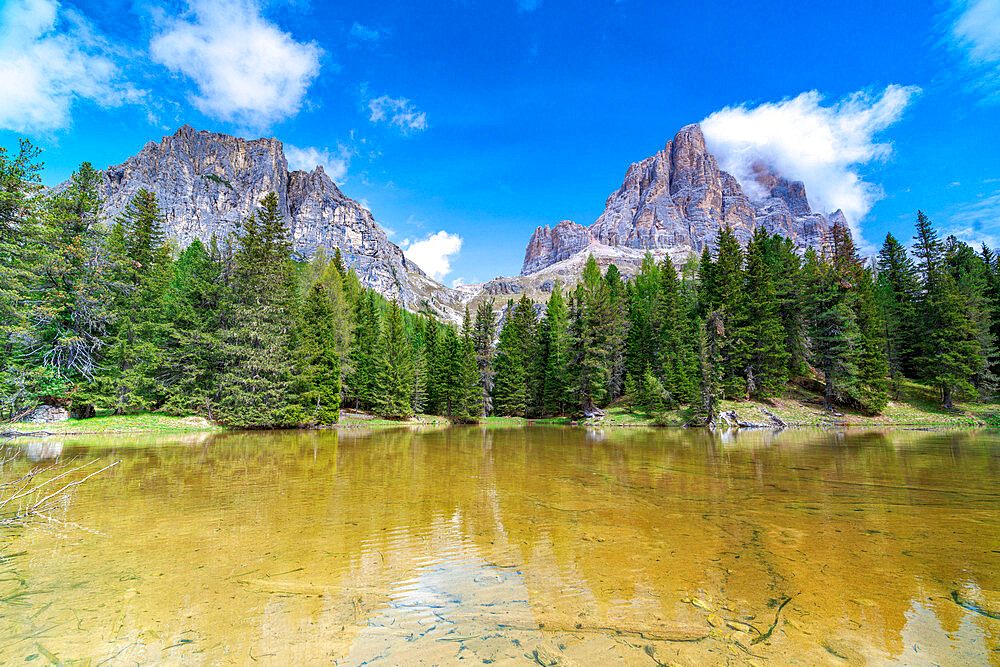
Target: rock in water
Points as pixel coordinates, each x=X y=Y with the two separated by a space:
x=676 y=201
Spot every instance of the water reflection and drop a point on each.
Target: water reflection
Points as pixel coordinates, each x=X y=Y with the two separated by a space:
x=524 y=544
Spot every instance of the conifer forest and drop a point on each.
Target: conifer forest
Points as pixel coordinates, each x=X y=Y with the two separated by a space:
x=110 y=315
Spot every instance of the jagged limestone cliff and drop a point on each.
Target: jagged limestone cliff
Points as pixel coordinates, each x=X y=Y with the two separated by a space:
x=206 y=182
x=675 y=202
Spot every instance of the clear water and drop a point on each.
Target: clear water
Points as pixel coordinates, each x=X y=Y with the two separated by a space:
x=535 y=545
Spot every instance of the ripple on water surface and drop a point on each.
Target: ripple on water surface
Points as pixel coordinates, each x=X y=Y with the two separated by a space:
x=514 y=545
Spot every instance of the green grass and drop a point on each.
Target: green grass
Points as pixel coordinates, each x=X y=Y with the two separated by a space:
x=140 y=423
x=917 y=406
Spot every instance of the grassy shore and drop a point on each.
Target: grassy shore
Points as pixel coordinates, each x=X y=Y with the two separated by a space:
x=917 y=406
x=141 y=423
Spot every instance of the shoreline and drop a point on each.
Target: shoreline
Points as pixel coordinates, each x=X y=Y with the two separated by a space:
x=915 y=408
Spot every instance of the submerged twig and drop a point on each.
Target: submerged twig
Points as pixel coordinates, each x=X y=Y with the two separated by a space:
x=767 y=634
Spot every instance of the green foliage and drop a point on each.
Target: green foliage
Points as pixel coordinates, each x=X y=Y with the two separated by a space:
x=318 y=360
x=217 y=179
x=258 y=326
x=766 y=353
x=239 y=332
x=513 y=359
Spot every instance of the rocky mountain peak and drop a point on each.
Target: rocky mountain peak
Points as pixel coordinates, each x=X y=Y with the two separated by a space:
x=675 y=202
x=206 y=182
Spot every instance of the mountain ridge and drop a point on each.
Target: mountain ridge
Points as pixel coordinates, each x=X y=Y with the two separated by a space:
x=675 y=201
x=206 y=182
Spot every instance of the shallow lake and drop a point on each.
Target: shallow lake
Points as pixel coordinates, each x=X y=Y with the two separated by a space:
x=533 y=545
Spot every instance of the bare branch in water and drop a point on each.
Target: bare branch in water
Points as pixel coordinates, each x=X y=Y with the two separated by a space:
x=28 y=490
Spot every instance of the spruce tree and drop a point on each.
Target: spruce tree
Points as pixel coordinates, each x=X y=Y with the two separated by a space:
x=22 y=381
x=832 y=326
x=484 y=333
x=949 y=352
x=592 y=328
x=192 y=304
x=897 y=290
x=130 y=379
x=767 y=357
x=258 y=337
x=553 y=355
x=398 y=367
x=75 y=286
x=724 y=295
x=469 y=386
x=873 y=361
x=318 y=362
x=510 y=392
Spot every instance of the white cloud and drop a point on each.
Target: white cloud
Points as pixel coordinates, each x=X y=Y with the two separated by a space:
x=397 y=111
x=335 y=164
x=976 y=32
x=458 y=282
x=51 y=57
x=365 y=33
x=434 y=253
x=245 y=68
x=822 y=146
x=975 y=222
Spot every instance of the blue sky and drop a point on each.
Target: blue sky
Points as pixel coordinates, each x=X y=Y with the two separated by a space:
x=465 y=124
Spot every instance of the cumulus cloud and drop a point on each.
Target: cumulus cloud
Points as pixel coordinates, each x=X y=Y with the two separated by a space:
x=334 y=163
x=802 y=139
x=975 y=31
x=434 y=253
x=51 y=57
x=397 y=111
x=245 y=68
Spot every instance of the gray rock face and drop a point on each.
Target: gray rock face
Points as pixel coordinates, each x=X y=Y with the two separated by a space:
x=47 y=414
x=678 y=199
x=207 y=182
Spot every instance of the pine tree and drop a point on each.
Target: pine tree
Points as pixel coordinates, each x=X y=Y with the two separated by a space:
x=21 y=383
x=724 y=295
x=897 y=289
x=258 y=339
x=767 y=357
x=832 y=326
x=192 y=304
x=552 y=357
x=318 y=362
x=510 y=393
x=592 y=329
x=950 y=351
x=133 y=359
x=469 y=387
x=398 y=369
x=483 y=336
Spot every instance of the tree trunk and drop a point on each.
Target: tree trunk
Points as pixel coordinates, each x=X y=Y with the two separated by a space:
x=947 y=396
